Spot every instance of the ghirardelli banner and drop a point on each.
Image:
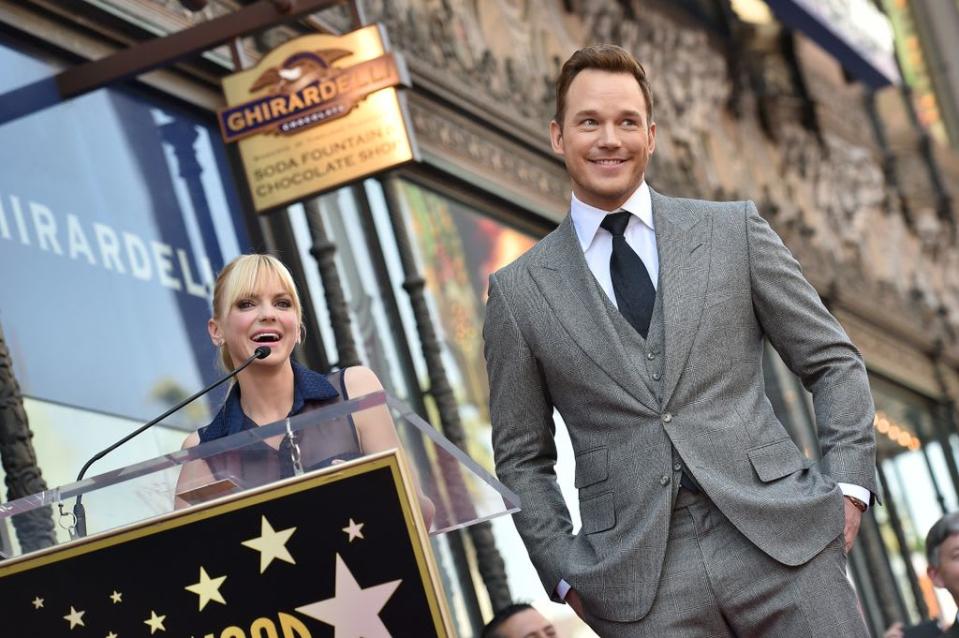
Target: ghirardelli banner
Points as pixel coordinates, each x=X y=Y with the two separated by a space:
x=318 y=112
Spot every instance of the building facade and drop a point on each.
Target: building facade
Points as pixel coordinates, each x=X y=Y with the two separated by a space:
x=117 y=207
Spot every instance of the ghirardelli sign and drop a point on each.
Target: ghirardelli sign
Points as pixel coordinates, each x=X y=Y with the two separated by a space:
x=318 y=112
x=306 y=90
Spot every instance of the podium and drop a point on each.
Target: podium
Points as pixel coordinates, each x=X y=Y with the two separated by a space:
x=281 y=531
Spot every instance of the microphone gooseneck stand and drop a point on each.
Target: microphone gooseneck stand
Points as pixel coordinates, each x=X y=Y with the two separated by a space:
x=79 y=527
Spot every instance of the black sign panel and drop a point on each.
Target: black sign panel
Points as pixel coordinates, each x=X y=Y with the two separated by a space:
x=334 y=554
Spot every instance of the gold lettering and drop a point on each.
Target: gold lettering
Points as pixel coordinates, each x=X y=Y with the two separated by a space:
x=293 y=627
x=311 y=95
x=235 y=121
x=253 y=115
x=327 y=90
x=232 y=632
x=263 y=628
x=295 y=103
x=278 y=106
x=343 y=82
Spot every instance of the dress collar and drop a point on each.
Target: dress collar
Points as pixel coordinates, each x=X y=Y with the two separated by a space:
x=307 y=386
x=586 y=218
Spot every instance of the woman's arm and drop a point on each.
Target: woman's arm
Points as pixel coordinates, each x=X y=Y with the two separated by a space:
x=192 y=474
x=375 y=427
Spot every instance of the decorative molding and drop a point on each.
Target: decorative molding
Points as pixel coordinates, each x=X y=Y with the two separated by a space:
x=513 y=171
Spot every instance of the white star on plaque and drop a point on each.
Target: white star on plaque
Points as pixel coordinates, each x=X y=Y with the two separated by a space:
x=75 y=617
x=354 y=612
x=155 y=622
x=355 y=530
x=271 y=544
x=207 y=589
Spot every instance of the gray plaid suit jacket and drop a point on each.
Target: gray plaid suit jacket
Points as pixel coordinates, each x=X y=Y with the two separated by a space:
x=727 y=282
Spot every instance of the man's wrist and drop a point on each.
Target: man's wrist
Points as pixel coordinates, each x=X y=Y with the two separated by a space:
x=859 y=504
x=856 y=491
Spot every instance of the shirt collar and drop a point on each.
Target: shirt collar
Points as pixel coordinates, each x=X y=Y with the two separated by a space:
x=586 y=218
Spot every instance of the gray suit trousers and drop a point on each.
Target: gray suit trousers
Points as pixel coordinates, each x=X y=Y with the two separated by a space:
x=717 y=584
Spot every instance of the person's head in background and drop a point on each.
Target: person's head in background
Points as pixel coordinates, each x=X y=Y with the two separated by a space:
x=519 y=620
x=942 y=552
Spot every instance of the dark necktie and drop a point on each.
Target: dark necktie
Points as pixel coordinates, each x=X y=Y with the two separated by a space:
x=632 y=285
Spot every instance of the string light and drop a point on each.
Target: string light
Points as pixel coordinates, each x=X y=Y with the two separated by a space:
x=900 y=435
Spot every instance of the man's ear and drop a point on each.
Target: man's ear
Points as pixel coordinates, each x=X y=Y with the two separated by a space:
x=934 y=576
x=556 y=137
x=652 y=137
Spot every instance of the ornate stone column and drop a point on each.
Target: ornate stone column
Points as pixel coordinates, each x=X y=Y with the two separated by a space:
x=324 y=251
x=35 y=529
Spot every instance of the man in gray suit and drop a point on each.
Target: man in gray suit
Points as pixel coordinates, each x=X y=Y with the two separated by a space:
x=641 y=320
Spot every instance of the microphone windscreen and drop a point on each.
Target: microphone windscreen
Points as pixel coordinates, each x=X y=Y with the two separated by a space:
x=262 y=352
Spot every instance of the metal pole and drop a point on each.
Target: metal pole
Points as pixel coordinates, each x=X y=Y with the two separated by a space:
x=891 y=604
x=944 y=420
x=896 y=523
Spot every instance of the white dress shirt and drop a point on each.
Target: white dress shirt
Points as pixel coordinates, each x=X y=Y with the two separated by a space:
x=597 y=245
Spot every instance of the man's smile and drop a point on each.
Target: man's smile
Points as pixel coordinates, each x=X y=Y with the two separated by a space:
x=608 y=161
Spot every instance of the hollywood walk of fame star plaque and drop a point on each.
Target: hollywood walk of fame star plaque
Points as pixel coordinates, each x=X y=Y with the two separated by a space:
x=340 y=551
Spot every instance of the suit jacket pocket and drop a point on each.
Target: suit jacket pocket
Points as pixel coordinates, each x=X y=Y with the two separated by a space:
x=598 y=513
x=775 y=460
x=592 y=467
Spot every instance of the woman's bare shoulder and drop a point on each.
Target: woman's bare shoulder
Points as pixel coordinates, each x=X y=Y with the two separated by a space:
x=361 y=380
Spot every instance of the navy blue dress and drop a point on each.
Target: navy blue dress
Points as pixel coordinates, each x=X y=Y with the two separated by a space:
x=319 y=445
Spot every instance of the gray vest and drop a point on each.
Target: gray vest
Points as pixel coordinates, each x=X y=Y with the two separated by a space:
x=649 y=360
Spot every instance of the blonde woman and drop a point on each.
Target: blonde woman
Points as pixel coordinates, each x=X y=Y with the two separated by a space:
x=255 y=303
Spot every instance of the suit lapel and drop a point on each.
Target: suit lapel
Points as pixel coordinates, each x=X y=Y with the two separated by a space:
x=682 y=241
x=577 y=301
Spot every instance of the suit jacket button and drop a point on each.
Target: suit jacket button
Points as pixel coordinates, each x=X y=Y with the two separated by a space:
x=677 y=466
x=667 y=417
x=650 y=355
x=656 y=376
x=664 y=479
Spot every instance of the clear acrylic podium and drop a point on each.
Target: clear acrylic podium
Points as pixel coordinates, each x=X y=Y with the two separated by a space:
x=283 y=530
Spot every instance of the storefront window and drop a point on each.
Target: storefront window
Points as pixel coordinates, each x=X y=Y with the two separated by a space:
x=116 y=209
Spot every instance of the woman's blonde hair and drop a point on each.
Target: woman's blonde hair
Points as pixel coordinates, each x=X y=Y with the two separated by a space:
x=239 y=279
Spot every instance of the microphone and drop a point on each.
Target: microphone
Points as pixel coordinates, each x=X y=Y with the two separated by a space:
x=79 y=529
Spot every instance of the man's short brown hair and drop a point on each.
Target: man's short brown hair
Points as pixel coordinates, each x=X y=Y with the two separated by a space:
x=602 y=57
